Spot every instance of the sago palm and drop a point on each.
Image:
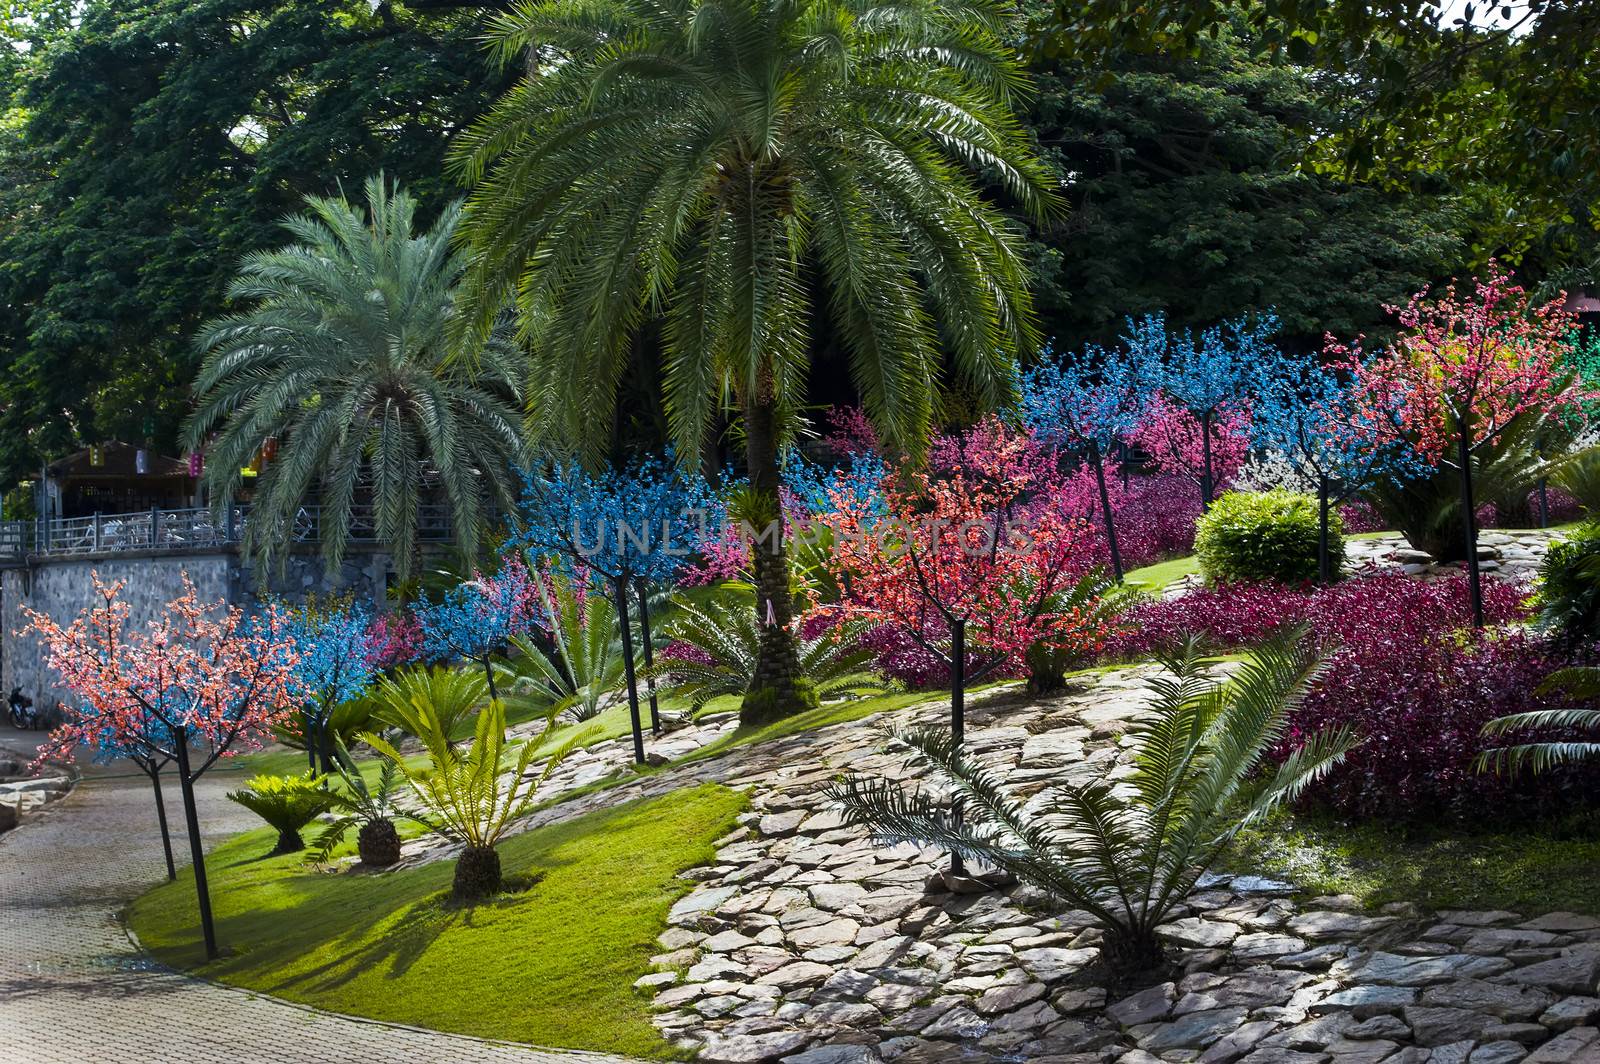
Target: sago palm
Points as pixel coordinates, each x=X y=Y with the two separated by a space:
x=425 y=699
x=730 y=171
x=1128 y=851
x=721 y=648
x=343 y=358
x=583 y=671
x=473 y=795
x=286 y=803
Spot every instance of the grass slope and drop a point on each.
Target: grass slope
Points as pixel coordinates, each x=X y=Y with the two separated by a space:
x=1529 y=870
x=1155 y=578
x=552 y=965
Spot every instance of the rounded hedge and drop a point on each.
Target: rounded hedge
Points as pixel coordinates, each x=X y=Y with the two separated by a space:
x=1266 y=535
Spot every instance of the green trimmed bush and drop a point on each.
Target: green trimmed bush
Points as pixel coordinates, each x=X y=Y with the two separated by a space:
x=1569 y=585
x=1267 y=535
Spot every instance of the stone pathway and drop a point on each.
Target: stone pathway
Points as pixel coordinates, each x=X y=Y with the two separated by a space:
x=1511 y=554
x=74 y=991
x=806 y=944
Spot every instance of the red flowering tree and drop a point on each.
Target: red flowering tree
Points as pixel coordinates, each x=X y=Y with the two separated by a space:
x=200 y=683
x=968 y=561
x=1464 y=366
x=969 y=558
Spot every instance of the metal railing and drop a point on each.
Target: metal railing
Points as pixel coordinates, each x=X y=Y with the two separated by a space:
x=187 y=529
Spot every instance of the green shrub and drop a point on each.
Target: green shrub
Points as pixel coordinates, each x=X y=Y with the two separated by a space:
x=1569 y=585
x=1579 y=476
x=287 y=803
x=1268 y=535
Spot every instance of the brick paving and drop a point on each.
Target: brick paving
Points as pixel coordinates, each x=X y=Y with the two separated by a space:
x=73 y=990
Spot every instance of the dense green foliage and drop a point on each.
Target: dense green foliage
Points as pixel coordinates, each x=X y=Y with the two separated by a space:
x=552 y=964
x=1187 y=195
x=149 y=147
x=1267 y=535
x=1569 y=585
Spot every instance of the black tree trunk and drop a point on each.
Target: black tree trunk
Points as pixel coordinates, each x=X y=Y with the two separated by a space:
x=1470 y=523
x=197 y=854
x=161 y=816
x=958 y=712
x=649 y=655
x=1105 y=510
x=1208 y=483
x=620 y=590
x=1324 y=568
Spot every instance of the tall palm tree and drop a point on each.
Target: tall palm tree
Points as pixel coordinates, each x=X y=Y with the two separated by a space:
x=344 y=358
x=721 y=165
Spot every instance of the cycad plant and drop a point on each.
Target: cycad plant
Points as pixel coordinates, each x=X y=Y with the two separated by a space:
x=473 y=795
x=1125 y=851
x=427 y=699
x=286 y=803
x=342 y=356
x=1097 y=600
x=1580 y=682
x=369 y=808
x=737 y=169
x=721 y=650
x=583 y=671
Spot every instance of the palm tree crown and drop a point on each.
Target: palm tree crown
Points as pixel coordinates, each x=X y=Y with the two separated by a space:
x=344 y=356
x=726 y=167
x=724 y=161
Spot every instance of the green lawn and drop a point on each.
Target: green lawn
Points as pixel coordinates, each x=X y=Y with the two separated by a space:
x=1154 y=578
x=1530 y=871
x=553 y=965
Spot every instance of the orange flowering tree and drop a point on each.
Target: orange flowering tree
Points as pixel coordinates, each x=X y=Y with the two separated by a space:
x=1464 y=366
x=202 y=682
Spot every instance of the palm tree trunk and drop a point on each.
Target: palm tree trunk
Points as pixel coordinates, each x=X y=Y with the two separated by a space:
x=774 y=691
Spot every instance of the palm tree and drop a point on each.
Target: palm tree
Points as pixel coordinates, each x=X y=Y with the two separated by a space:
x=343 y=357
x=729 y=169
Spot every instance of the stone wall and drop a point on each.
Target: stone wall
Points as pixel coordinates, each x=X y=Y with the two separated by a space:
x=63 y=587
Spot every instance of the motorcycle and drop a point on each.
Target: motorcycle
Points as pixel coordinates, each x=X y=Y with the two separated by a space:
x=23 y=716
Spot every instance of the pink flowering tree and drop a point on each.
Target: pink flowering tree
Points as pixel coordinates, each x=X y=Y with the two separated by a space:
x=202 y=682
x=1207 y=451
x=1464 y=366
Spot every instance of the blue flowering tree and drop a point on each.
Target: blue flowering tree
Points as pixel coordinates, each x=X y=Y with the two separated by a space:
x=333 y=664
x=475 y=620
x=629 y=526
x=1307 y=413
x=1206 y=375
x=1087 y=413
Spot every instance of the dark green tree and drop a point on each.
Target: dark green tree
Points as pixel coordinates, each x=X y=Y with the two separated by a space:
x=1188 y=195
x=152 y=144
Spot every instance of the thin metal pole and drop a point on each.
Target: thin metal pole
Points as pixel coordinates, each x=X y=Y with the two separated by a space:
x=161 y=815
x=958 y=721
x=1324 y=573
x=1105 y=509
x=1470 y=523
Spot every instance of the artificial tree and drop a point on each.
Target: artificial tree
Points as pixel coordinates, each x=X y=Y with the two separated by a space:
x=202 y=674
x=1087 y=413
x=627 y=526
x=1462 y=369
x=335 y=661
x=1308 y=413
x=478 y=618
x=1208 y=379
x=960 y=562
